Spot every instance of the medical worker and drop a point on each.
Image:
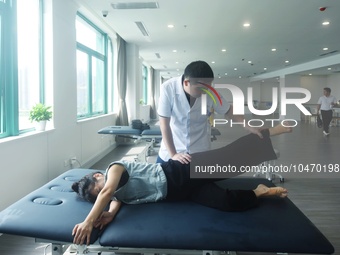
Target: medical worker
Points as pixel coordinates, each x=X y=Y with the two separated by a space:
x=184 y=128
x=325 y=106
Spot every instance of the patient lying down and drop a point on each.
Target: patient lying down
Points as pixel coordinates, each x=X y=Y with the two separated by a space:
x=136 y=182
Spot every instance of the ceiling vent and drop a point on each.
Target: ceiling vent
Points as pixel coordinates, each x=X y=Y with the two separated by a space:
x=158 y=55
x=135 y=5
x=142 y=28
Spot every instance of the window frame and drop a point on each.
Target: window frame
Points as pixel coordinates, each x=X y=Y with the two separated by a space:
x=91 y=53
x=8 y=63
x=9 y=83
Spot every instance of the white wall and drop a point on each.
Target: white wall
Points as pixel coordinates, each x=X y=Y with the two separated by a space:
x=315 y=85
x=27 y=162
x=333 y=81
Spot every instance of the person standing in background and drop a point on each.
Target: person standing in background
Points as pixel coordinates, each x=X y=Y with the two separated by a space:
x=325 y=107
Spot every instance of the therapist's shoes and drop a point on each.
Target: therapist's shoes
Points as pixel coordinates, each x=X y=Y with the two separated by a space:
x=325 y=133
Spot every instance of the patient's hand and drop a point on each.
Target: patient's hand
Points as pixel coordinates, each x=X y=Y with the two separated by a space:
x=82 y=233
x=104 y=219
x=184 y=158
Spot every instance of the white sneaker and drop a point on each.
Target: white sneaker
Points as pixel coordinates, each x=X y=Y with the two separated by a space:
x=325 y=133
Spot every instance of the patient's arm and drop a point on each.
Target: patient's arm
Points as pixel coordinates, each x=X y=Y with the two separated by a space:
x=107 y=216
x=82 y=231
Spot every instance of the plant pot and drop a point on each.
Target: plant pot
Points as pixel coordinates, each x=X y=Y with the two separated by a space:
x=40 y=125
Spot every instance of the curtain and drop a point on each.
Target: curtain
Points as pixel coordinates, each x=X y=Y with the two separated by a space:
x=122 y=118
x=153 y=113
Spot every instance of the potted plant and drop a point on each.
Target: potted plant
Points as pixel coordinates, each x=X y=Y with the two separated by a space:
x=40 y=114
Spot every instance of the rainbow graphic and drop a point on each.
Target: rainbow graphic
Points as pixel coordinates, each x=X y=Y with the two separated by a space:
x=211 y=94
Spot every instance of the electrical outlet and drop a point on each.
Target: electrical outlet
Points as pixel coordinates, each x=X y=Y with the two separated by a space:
x=73 y=160
x=66 y=162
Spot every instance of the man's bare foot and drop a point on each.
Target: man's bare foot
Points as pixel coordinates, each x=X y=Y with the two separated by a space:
x=263 y=190
x=279 y=129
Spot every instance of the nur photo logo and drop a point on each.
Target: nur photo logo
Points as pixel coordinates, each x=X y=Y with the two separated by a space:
x=302 y=96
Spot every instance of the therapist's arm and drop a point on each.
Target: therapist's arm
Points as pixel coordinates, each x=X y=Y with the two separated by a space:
x=168 y=140
x=82 y=231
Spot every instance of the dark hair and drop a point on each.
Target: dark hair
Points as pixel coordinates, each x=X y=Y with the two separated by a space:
x=328 y=90
x=198 y=69
x=84 y=185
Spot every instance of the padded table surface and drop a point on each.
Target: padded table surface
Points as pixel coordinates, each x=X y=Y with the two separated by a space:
x=128 y=130
x=120 y=130
x=275 y=225
x=50 y=212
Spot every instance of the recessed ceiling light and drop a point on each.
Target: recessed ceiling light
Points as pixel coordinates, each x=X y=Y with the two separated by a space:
x=176 y=62
x=273 y=49
x=329 y=68
x=235 y=69
x=246 y=24
x=249 y=62
x=325 y=23
x=225 y=74
x=174 y=51
x=240 y=77
x=212 y=62
x=325 y=48
x=265 y=68
x=224 y=50
x=310 y=74
x=171 y=26
x=287 y=61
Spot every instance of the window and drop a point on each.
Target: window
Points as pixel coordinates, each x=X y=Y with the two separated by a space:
x=20 y=64
x=94 y=59
x=30 y=85
x=145 y=84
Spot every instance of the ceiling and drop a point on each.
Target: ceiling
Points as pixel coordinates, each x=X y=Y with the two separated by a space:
x=203 y=28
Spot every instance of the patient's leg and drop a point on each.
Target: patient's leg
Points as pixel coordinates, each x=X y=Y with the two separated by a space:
x=249 y=150
x=263 y=190
x=212 y=195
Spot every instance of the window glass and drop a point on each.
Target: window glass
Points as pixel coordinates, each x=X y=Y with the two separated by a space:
x=98 y=87
x=89 y=36
x=94 y=69
x=82 y=83
x=28 y=27
x=2 y=82
x=110 y=84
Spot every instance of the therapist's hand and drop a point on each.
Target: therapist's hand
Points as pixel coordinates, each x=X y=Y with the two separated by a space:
x=184 y=158
x=82 y=233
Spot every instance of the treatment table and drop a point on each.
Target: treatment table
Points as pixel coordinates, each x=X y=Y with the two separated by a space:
x=152 y=136
x=275 y=225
